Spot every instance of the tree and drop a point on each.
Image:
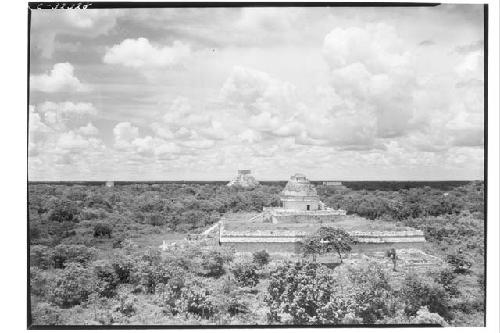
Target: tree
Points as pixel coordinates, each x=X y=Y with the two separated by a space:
x=373 y=295
x=304 y=292
x=46 y=314
x=63 y=210
x=391 y=254
x=459 y=262
x=102 y=229
x=71 y=286
x=107 y=279
x=245 y=274
x=41 y=256
x=80 y=254
x=327 y=240
x=418 y=291
x=261 y=258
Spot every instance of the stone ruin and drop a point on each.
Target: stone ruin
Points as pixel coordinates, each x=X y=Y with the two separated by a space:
x=244 y=179
x=281 y=229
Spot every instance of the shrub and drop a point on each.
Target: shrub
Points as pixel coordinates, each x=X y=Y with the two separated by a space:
x=417 y=292
x=107 y=279
x=80 y=254
x=425 y=317
x=123 y=266
x=38 y=281
x=447 y=278
x=71 y=286
x=261 y=258
x=92 y=214
x=373 y=296
x=126 y=305
x=156 y=220
x=46 y=314
x=303 y=292
x=149 y=276
x=41 y=256
x=198 y=301
x=118 y=243
x=205 y=261
x=63 y=210
x=102 y=230
x=459 y=262
x=245 y=274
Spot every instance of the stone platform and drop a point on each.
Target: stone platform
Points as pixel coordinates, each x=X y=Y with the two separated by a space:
x=247 y=233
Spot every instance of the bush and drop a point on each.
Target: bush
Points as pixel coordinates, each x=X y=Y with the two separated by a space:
x=107 y=279
x=46 y=314
x=38 y=282
x=261 y=258
x=63 y=210
x=303 y=292
x=459 y=261
x=156 y=220
x=149 y=276
x=123 y=266
x=41 y=256
x=102 y=230
x=207 y=261
x=245 y=274
x=92 y=214
x=425 y=317
x=372 y=294
x=419 y=291
x=80 y=254
x=118 y=243
x=198 y=301
x=126 y=305
x=71 y=286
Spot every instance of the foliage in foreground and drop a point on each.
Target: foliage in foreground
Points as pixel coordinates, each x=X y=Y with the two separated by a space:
x=84 y=270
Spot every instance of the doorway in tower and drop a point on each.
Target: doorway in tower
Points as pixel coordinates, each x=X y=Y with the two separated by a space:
x=308 y=207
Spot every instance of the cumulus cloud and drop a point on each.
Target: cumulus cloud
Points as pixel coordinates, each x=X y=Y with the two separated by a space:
x=88 y=130
x=471 y=47
x=74 y=142
x=370 y=71
x=271 y=109
x=267 y=104
x=59 y=145
x=140 y=53
x=60 y=78
x=127 y=139
x=471 y=62
x=124 y=133
x=46 y=25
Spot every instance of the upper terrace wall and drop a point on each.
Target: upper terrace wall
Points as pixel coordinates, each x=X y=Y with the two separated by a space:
x=301 y=205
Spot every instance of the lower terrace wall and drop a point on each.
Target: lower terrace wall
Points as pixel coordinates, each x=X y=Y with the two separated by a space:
x=289 y=241
x=294 y=247
x=306 y=218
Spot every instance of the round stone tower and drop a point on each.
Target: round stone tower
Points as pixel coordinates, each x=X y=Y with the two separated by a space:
x=300 y=194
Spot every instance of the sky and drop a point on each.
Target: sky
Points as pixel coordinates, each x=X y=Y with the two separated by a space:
x=198 y=93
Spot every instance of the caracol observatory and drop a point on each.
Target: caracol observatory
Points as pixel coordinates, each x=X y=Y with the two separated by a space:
x=300 y=195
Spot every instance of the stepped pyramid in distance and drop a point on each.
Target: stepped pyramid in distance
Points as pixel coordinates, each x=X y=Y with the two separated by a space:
x=244 y=179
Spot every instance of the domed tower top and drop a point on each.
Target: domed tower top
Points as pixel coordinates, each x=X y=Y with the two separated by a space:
x=300 y=194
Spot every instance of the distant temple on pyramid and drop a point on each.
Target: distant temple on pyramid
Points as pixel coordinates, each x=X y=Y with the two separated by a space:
x=244 y=179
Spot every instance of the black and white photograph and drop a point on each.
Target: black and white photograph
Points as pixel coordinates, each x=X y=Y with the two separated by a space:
x=257 y=165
